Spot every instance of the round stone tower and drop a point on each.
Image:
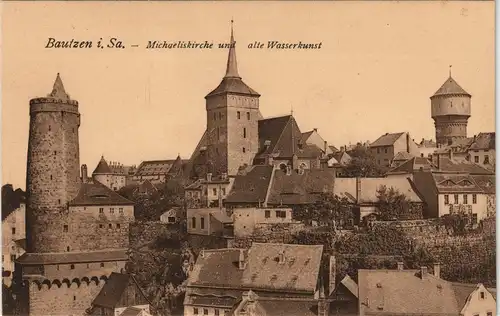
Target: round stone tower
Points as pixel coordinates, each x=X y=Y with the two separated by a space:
x=53 y=172
x=451 y=109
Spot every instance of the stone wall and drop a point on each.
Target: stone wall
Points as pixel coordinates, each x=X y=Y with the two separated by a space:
x=53 y=171
x=143 y=233
x=270 y=233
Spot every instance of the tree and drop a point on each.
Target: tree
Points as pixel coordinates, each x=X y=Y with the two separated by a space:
x=392 y=205
x=456 y=222
x=331 y=210
x=11 y=199
x=363 y=164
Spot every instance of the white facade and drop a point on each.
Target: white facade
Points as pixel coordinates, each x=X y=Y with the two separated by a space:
x=472 y=203
x=480 y=302
x=245 y=219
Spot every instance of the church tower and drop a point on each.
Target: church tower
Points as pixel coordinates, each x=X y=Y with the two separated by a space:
x=451 y=109
x=232 y=120
x=53 y=172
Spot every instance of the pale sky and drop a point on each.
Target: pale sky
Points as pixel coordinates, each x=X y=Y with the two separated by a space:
x=379 y=64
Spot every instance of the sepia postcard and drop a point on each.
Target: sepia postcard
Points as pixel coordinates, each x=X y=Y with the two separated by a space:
x=248 y=158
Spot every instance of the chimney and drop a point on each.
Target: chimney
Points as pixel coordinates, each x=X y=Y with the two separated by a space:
x=241 y=260
x=423 y=272
x=358 y=189
x=437 y=269
x=209 y=176
x=325 y=146
x=407 y=142
x=474 y=138
x=439 y=161
x=84 y=174
x=331 y=275
x=400 y=266
x=315 y=129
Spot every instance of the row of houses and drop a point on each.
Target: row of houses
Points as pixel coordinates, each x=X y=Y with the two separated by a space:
x=284 y=279
x=432 y=190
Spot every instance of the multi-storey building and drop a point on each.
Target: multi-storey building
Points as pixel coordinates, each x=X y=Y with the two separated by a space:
x=76 y=229
x=115 y=178
x=387 y=146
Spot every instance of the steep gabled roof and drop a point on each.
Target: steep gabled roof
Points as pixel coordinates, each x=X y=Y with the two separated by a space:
x=252 y=186
x=270 y=132
x=298 y=188
x=116 y=286
x=405 y=292
x=386 y=140
x=483 y=141
x=450 y=87
x=298 y=272
x=95 y=193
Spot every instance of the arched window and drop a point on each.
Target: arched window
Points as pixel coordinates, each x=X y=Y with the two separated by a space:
x=193 y=222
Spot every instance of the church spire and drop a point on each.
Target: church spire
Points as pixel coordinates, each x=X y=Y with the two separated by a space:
x=232 y=65
x=58 y=89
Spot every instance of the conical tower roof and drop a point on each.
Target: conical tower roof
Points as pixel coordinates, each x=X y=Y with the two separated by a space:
x=58 y=91
x=450 y=87
x=232 y=83
x=102 y=167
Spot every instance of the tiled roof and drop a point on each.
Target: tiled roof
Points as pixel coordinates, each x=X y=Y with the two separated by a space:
x=252 y=186
x=447 y=164
x=394 y=292
x=299 y=188
x=450 y=87
x=413 y=164
x=233 y=85
x=483 y=141
x=73 y=257
x=386 y=140
x=102 y=167
x=298 y=272
x=402 y=155
x=486 y=183
x=154 y=167
x=271 y=130
x=346 y=187
x=217 y=267
x=98 y=194
x=455 y=183
x=112 y=292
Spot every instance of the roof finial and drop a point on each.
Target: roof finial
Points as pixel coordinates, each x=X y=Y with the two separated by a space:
x=450 y=70
x=232 y=65
x=291 y=110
